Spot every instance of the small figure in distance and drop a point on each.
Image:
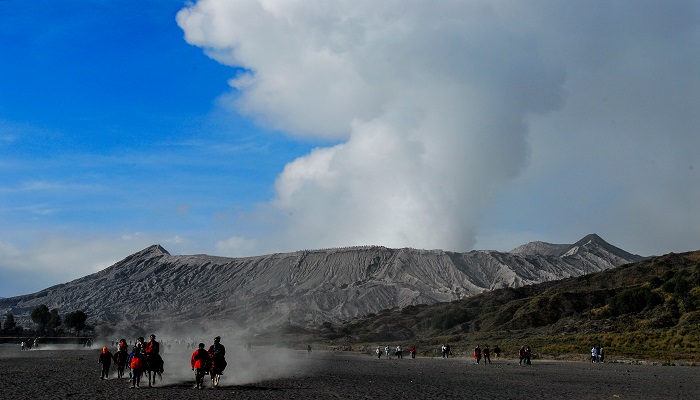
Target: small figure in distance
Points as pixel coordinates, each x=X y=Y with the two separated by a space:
x=528 y=355
x=379 y=353
x=412 y=350
x=487 y=354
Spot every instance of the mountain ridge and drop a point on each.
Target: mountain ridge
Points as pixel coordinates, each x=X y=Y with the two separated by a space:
x=306 y=287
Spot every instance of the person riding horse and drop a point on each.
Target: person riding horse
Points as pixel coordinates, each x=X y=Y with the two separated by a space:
x=154 y=362
x=217 y=352
x=152 y=350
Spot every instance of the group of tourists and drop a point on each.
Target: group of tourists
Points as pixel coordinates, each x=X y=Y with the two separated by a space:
x=485 y=353
x=29 y=343
x=525 y=355
x=597 y=354
x=398 y=352
x=145 y=358
x=211 y=361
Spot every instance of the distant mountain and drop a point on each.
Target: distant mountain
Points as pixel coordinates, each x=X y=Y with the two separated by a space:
x=305 y=287
x=647 y=309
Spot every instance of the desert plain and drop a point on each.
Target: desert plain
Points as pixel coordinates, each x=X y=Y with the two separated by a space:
x=65 y=372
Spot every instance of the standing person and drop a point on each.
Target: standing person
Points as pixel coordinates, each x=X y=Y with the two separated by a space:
x=497 y=351
x=23 y=346
x=601 y=356
x=521 y=355
x=528 y=355
x=412 y=350
x=444 y=351
x=399 y=352
x=105 y=359
x=487 y=354
x=477 y=354
x=379 y=353
x=594 y=354
x=308 y=350
x=199 y=362
x=387 y=350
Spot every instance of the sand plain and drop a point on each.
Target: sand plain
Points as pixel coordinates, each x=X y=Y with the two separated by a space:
x=63 y=372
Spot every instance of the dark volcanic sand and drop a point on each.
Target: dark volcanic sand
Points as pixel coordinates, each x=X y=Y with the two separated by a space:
x=57 y=374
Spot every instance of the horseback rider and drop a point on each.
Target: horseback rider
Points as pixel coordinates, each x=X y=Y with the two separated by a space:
x=152 y=347
x=217 y=352
x=152 y=350
x=199 y=363
x=138 y=343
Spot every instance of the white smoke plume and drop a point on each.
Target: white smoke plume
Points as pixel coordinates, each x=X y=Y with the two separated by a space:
x=436 y=109
x=425 y=97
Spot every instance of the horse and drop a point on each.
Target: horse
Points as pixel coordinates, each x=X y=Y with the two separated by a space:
x=154 y=366
x=120 y=362
x=216 y=369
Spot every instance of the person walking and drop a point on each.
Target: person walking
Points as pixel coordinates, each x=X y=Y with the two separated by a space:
x=487 y=354
x=199 y=362
x=105 y=359
x=137 y=365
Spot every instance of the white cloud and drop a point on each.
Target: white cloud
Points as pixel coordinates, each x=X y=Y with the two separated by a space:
x=54 y=259
x=446 y=107
x=236 y=246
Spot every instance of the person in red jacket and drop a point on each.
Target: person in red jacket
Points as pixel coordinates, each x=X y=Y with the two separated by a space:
x=137 y=364
x=200 y=363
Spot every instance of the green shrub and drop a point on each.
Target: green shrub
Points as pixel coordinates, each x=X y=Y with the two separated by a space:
x=633 y=301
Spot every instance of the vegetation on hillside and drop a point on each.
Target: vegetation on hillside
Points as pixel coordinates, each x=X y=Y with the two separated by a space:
x=648 y=309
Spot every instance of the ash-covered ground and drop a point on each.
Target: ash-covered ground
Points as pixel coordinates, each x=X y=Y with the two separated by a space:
x=62 y=372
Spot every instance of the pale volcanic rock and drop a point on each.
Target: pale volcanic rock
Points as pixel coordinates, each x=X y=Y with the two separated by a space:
x=306 y=287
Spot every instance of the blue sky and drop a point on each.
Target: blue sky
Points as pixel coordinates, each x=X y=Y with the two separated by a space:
x=240 y=128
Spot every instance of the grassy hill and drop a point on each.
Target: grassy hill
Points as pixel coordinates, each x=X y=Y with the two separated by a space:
x=649 y=309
